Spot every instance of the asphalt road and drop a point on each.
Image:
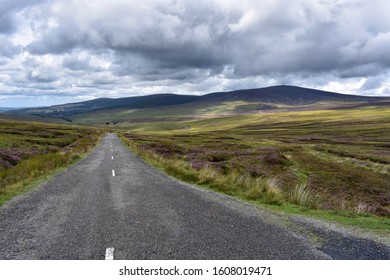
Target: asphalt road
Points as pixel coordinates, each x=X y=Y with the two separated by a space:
x=113 y=205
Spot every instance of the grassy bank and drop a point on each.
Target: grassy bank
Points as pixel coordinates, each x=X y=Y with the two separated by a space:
x=332 y=164
x=31 y=151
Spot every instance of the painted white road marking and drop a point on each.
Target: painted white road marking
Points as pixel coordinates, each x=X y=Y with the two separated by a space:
x=112 y=157
x=113 y=173
x=109 y=254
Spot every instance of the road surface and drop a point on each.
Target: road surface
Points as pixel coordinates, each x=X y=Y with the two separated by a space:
x=111 y=205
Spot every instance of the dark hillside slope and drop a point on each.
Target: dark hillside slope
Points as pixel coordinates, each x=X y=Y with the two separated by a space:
x=32 y=118
x=289 y=95
x=137 y=102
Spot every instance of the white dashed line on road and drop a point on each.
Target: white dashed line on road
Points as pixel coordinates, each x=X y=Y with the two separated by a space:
x=113 y=173
x=109 y=254
x=112 y=157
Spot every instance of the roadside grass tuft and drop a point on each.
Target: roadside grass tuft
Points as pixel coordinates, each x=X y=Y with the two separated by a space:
x=265 y=190
x=301 y=195
x=206 y=175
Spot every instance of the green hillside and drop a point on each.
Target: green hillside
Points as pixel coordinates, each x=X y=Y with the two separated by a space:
x=326 y=160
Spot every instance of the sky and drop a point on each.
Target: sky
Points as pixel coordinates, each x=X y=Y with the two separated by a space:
x=60 y=51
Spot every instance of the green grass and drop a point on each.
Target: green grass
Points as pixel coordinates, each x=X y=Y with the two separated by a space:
x=301 y=195
x=24 y=186
x=30 y=151
x=372 y=223
x=329 y=163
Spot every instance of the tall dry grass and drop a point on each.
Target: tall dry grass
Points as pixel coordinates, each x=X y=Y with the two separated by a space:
x=303 y=196
x=235 y=183
x=40 y=165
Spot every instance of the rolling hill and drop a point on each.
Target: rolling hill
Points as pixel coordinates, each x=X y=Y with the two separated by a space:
x=5 y=109
x=288 y=95
x=181 y=107
x=94 y=105
x=32 y=118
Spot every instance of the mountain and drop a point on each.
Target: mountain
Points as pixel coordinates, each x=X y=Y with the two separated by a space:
x=276 y=95
x=137 y=102
x=287 y=95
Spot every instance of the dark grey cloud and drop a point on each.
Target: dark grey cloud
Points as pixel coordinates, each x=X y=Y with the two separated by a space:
x=121 y=47
x=6 y=14
x=281 y=36
x=41 y=77
x=79 y=62
x=8 y=9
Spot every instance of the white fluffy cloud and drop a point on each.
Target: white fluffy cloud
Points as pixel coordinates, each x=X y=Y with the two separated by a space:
x=59 y=51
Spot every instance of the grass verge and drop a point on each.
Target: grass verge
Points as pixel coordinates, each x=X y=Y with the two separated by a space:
x=30 y=152
x=36 y=178
x=233 y=183
x=260 y=191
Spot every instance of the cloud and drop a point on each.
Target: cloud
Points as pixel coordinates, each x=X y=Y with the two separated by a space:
x=9 y=11
x=82 y=61
x=123 y=47
x=7 y=48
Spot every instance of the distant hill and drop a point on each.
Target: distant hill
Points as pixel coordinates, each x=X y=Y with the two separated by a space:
x=137 y=102
x=278 y=95
x=5 y=109
x=31 y=118
x=287 y=95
